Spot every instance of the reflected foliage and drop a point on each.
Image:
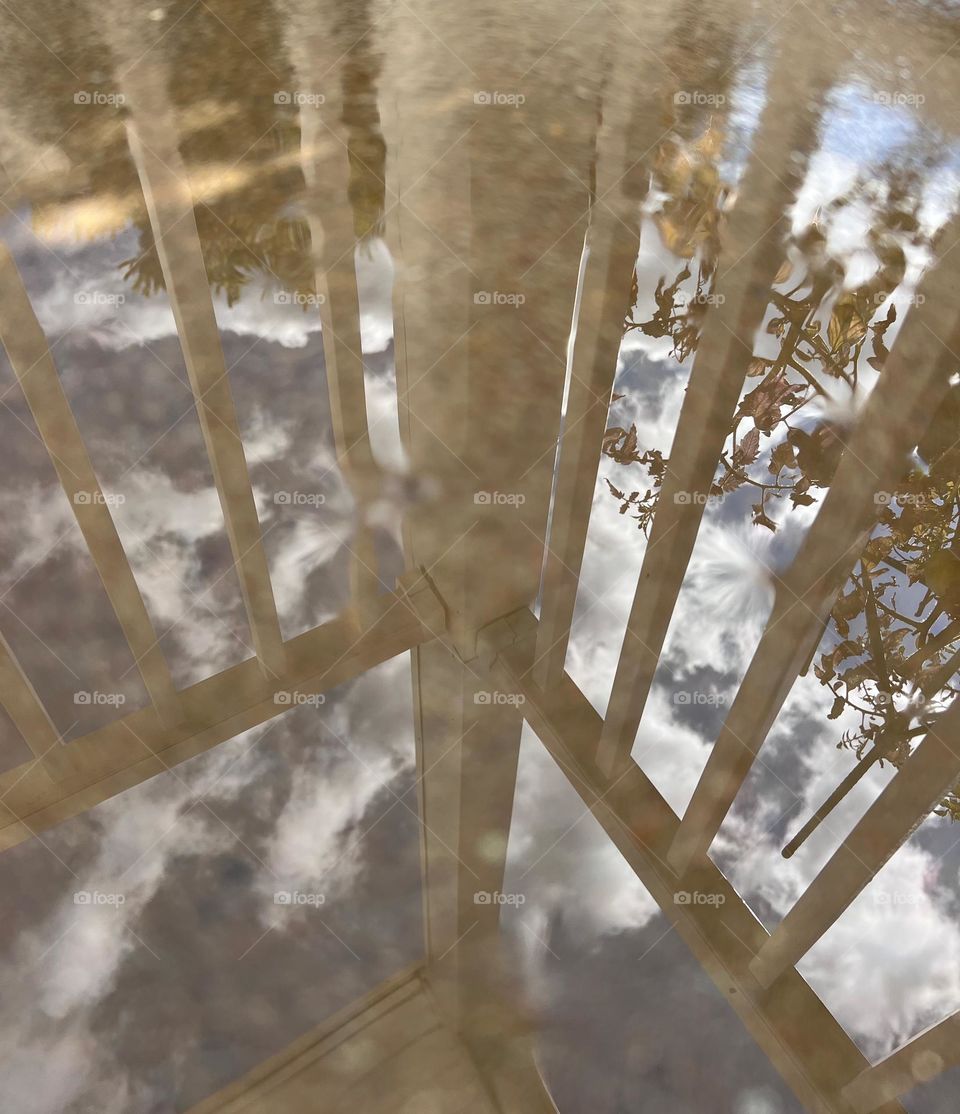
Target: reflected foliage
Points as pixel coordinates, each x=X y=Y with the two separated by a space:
x=241 y=148
x=891 y=651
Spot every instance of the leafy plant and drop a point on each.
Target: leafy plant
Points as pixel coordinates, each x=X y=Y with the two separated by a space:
x=892 y=646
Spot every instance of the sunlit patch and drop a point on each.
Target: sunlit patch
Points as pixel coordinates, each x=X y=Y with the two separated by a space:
x=735 y=573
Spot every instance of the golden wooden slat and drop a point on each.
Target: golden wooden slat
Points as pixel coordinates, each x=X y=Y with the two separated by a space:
x=153 y=140
x=795 y=1030
x=752 y=251
x=133 y=748
x=630 y=131
x=920 y=1060
x=906 y=801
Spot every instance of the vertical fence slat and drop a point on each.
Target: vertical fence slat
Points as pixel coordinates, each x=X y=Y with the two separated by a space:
x=33 y=365
x=154 y=144
x=613 y=243
x=751 y=254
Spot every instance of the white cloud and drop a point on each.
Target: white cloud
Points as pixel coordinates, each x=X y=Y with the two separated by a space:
x=316 y=844
x=561 y=861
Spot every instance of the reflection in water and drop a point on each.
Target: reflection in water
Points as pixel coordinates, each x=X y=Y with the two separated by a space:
x=793 y=423
x=374 y=219
x=188 y=947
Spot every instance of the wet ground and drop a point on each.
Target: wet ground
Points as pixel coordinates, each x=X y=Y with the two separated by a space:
x=455 y=162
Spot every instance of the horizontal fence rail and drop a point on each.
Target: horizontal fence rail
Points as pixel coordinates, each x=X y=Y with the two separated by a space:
x=134 y=747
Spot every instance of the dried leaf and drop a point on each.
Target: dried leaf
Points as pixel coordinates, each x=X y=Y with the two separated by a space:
x=612 y=436
x=761 y=519
x=748 y=449
x=731 y=481
x=848 y=648
x=849 y=605
x=847 y=326
x=782 y=456
x=880 y=350
x=858 y=674
x=758 y=366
